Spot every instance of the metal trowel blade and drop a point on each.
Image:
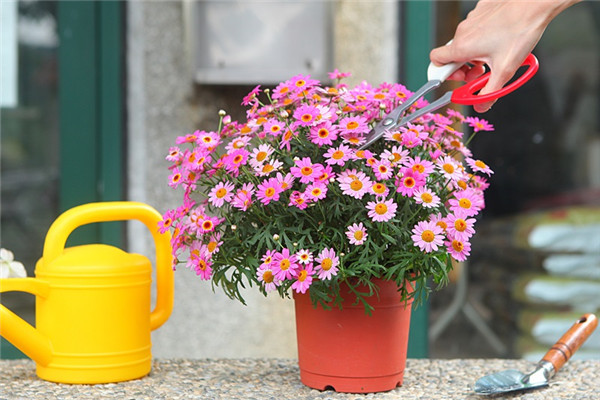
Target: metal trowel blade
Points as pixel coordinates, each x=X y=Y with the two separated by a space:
x=508 y=381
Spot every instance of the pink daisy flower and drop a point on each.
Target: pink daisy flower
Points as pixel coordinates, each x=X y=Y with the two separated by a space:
x=251 y=97
x=268 y=167
x=304 y=278
x=424 y=167
x=412 y=135
x=214 y=243
x=338 y=155
x=265 y=276
x=306 y=171
x=357 y=233
x=316 y=191
x=323 y=134
x=381 y=210
x=379 y=189
x=199 y=262
x=460 y=226
x=409 y=181
x=396 y=155
x=284 y=265
x=167 y=221
x=268 y=258
x=354 y=183
x=243 y=197
x=238 y=143
x=222 y=192
x=338 y=75
x=479 y=124
x=354 y=125
x=268 y=191
x=426 y=197
x=176 y=178
x=328 y=262
x=174 y=155
x=235 y=159
x=479 y=166
x=327 y=175
x=459 y=250
x=304 y=256
x=306 y=115
x=427 y=236
x=467 y=200
x=260 y=154
x=299 y=200
x=274 y=127
x=383 y=169
x=208 y=140
x=282 y=90
x=286 y=181
x=449 y=167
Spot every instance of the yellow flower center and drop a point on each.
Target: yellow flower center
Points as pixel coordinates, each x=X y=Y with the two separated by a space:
x=358 y=235
x=379 y=188
x=284 y=264
x=381 y=208
x=449 y=168
x=427 y=236
x=442 y=224
x=316 y=192
x=237 y=159
x=460 y=225
x=275 y=128
x=337 y=155
x=306 y=171
x=427 y=198
x=462 y=184
x=207 y=225
x=397 y=137
x=409 y=182
x=458 y=246
x=465 y=203
x=267 y=276
x=326 y=264
x=480 y=164
x=270 y=192
x=323 y=133
x=418 y=168
x=356 y=185
x=307 y=117
x=261 y=155
x=211 y=246
x=221 y=193
x=267 y=168
x=352 y=125
x=302 y=275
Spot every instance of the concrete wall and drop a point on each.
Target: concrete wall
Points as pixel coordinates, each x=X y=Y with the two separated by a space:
x=163 y=103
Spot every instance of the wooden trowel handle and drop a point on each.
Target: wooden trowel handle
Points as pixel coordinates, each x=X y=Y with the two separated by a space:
x=568 y=344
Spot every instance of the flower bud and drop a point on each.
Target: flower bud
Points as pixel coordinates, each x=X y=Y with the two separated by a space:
x=222 y=113
x=276 y=237
x=233 y=227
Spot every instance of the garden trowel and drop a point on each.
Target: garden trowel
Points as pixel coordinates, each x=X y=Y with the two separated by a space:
x=512 y=380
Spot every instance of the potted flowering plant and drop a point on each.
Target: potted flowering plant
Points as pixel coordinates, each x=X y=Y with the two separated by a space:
x=288 y=202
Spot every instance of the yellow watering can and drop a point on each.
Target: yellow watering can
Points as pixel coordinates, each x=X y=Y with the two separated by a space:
x=93 y=318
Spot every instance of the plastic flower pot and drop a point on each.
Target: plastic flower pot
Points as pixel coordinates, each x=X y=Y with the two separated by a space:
x=350 y=351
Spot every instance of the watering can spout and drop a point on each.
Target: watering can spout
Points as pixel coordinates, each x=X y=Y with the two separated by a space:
x=17 y=331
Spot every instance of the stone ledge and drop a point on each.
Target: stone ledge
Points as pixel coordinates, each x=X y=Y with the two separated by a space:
x=278 y=379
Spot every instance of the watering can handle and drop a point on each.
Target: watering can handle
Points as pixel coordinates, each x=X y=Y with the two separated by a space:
x=68 y=221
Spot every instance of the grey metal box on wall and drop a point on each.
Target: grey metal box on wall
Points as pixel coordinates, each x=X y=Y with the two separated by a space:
x=259 y=41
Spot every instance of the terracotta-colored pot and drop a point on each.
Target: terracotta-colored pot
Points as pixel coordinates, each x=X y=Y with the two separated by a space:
x=349 y=351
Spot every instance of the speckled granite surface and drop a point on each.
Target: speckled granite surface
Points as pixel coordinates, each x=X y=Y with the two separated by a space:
x=278 y=379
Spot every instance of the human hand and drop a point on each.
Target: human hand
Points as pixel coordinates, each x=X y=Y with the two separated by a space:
x=499 y=34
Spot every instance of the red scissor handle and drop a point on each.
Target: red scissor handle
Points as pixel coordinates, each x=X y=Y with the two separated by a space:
x=466 y=94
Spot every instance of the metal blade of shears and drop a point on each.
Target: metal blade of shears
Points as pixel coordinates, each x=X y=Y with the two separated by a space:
x=396 y=118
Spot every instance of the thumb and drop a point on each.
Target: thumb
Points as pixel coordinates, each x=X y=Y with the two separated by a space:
x=442 y=55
